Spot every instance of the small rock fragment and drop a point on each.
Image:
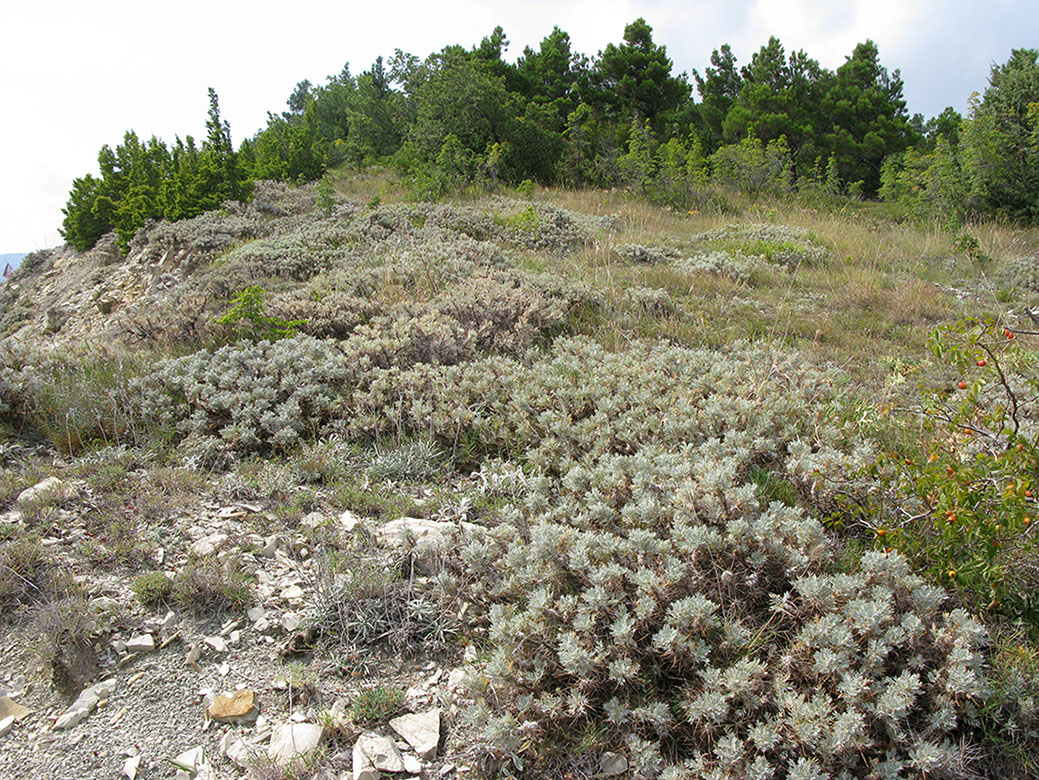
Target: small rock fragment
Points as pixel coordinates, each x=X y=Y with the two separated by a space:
x=290 y=621
x=613 y=764
x=290 y=740
x=208 y=545
x=85 y=704
x=292 y=593
x=234 y=707
x=12 y=708
x=349 y=521
x=218 y=643
x=191 y=761
x=421 y=731
x=52 y=487
x=192 y=657
x=363 y=768
x=130 y=767
x=382 y=751
x=412 y=765
x=255 y=613
x=6 y=724
x=142 y=643
x=235 y=748
x=312 y=520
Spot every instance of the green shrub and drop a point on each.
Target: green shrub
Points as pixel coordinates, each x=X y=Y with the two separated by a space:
x=376 y=705
x=964 y=508
x=247 y=319
x=210 y=587
x=152 y=589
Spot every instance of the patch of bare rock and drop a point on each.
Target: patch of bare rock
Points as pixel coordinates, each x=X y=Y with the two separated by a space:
x=196 y=697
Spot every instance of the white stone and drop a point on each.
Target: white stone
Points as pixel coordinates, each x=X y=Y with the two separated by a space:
x=255 y=613
x=52 y=487
x=381 y=751
x=421 y=731
x=349 y=521
x=412 y=765
x=218 y=643
x=426 y=533
x=290 y=621
x=613 y=764
x=290 y=740
x=130 y=767
x=191 y=761
x=312 y=520
x=142 y=643
x=85 y=704
x=363 y=768
x=456 y=679
x=6 y=725
x=292 y=593
x=235 y=748
x=208 y=545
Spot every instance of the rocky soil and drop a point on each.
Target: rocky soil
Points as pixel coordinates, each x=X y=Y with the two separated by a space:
x=170 y=693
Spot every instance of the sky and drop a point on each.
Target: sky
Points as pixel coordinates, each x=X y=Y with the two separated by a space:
x=77 y=74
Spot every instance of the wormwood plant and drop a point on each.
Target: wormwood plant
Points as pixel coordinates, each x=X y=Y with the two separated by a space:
x=966 y=508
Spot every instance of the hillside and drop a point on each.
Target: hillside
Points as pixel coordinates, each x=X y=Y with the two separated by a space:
x=582 y=485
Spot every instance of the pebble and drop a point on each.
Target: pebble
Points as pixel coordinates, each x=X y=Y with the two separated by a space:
x=142 y=643
x=290 y=740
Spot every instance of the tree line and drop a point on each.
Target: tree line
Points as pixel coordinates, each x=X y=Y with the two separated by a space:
x=621 y=118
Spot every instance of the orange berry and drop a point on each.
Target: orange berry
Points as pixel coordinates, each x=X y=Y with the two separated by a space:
x=1026 y=520
x=951 y=573
x=1028 y=494
x=881 y=532
x=962 y=385
x=981 y=363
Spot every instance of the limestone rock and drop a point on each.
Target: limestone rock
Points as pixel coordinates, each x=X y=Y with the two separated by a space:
x=208 y=545
x=218 y=643
x=6 y=724
x=363 y=768
x=56 y=319
x=52 y=487
x=349 y=521
x=236 y=749
x=290 y=740
x=144 y=643
x=381 y=751
x=412 y=765
x=130 y=767
x=191 y=762
x=613 y=764
x=85 y=704
x=421 y=731
x=426 y=533
x=10 y=708
x=234 y=707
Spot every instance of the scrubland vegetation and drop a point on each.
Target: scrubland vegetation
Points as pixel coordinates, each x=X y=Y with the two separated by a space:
x=749 y=462
x=753 y=488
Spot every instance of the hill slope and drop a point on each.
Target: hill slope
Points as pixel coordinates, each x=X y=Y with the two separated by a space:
x=595 y=481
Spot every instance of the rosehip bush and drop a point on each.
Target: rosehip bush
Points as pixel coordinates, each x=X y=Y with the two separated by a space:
x=966 y=508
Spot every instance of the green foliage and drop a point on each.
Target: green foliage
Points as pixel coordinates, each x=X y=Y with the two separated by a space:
x=964 y=508
x=1001 y=138
x=753 y=167
x=74 y=398
x=146 y=181
x=152 y=589
x=376 y=705
x=248 y=321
